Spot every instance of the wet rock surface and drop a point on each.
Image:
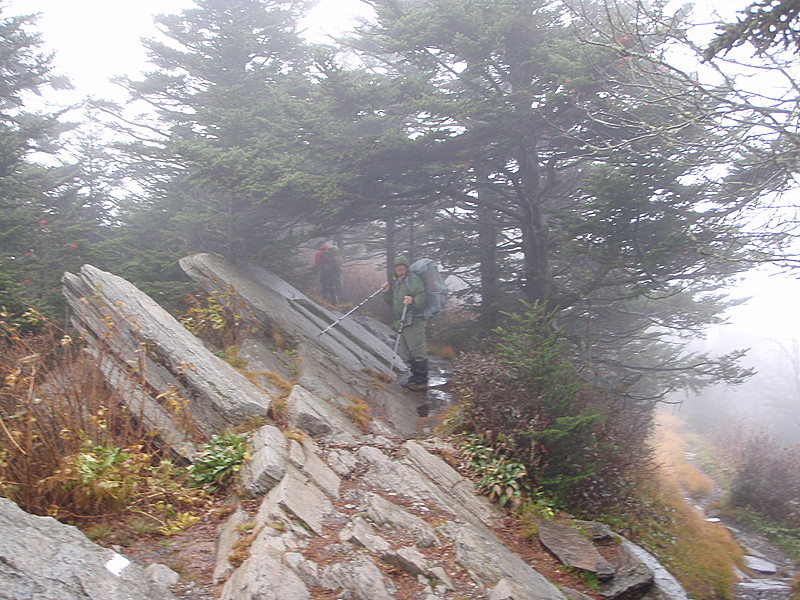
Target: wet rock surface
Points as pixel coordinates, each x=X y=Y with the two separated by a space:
x=331 y=509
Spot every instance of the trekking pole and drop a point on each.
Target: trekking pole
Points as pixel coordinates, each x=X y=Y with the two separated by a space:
x=352 y=310
x=400 y=332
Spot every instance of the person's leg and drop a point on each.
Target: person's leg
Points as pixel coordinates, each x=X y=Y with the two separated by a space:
x=413 y=338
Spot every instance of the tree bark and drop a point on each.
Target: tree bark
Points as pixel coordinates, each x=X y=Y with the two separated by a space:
x=487 y=257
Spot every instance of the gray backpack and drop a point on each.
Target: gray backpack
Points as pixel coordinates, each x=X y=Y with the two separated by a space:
x=436 y=291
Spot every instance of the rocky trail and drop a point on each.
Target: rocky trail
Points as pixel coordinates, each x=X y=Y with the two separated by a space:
x=329 y=506
x=770 y=571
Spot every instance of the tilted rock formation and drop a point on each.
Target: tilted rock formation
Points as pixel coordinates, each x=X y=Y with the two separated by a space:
x=346 y=361
x=42 y=559
x=364 y=513
x=149 y=358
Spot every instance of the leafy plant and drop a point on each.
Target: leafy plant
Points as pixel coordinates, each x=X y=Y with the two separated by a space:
x=218 y=317
x=218 y=461
x=181 y=521
x=498 y=476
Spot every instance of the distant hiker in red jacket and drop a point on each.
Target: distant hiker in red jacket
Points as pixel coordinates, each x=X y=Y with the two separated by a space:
x=328 y=259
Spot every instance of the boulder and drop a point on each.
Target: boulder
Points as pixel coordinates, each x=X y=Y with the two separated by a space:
x=632 y=575
x=267 y=464
x=42 y=559
x=573 y=549
x=151 y=359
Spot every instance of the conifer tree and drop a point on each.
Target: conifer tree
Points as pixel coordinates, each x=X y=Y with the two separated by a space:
x=40 y=229
x=592 y=161
x=224 y=167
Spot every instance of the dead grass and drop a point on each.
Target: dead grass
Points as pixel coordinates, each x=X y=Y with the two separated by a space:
x=358 y=411
x=672 y=452
x=702 y=555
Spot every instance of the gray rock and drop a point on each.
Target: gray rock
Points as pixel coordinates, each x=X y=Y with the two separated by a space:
x=162 y=575
x=359 y=532
x=306 y=569
x=308 y=412
x=227 y=537
x=263 y=361
x=407 y=559
x=504 y=590
x=633 y=576
x=264 y=576
x=348 y=360
x=385 y=514
x=306 y=457
x=267 y=464
x=760 y=565
x=574 y=594
x=299 y=497
x=448 y=480
x=478 y=551
x=763 y=589
x=440 y=575
x=43 y=559
x=597 y=532
x=667 y=586
x=573 y=549
x=277 y=304
x=424 y=477
x=342 y=461
x=147 y=342
x=360 y=576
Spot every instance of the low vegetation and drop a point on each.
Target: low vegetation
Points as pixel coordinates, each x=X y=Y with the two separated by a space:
x=218 y=461
x=702 y=554
x=761 y=481
x=70 y=448
x=523 y=399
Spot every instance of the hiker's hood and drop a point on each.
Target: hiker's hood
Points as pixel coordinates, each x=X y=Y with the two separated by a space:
x=402 y=260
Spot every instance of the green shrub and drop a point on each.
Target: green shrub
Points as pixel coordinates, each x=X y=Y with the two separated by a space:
x=578 y=445
x=498 y=476
x=218 y=461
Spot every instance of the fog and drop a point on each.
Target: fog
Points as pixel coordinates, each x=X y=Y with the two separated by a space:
x=769 y=326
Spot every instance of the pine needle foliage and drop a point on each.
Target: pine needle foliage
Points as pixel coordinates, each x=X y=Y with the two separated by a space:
x=579 y=446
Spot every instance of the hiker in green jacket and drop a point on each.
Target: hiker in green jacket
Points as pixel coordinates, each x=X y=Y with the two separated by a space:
x=406 y=295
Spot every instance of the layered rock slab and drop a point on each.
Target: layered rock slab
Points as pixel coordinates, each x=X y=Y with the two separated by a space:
x=348 y=360
x=43 y=559
x=150 y=359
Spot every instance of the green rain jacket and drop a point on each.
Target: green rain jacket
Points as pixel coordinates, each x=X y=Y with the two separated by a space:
x=410 y=285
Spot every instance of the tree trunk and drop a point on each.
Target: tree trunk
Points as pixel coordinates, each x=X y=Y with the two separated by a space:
x=537 y=283
x=487 y=260
x=391 y=247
